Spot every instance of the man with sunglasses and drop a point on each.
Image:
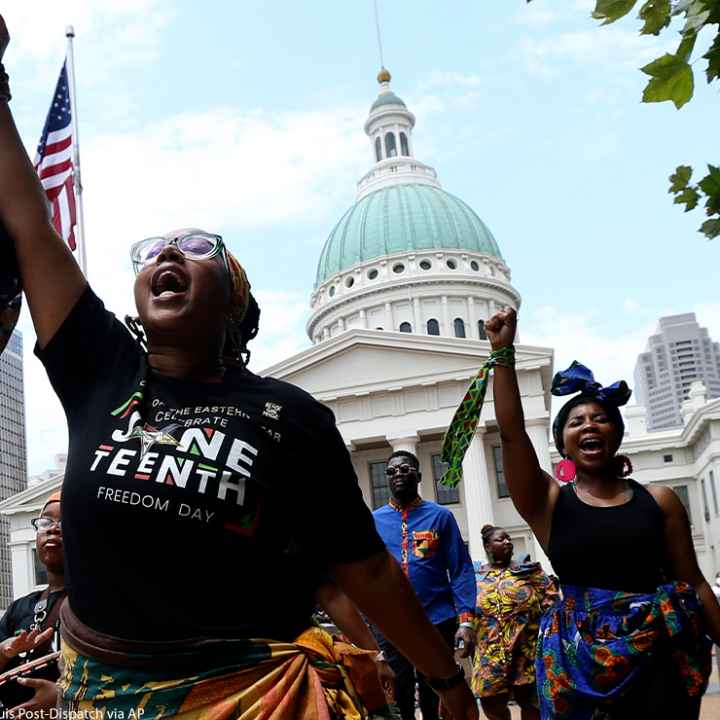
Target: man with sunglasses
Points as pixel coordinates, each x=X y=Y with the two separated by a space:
x=425 y=539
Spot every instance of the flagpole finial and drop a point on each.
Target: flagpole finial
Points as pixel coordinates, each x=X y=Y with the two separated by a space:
x=69 y=31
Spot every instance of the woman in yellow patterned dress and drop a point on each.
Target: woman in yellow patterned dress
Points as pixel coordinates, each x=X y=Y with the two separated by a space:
x=510 y=600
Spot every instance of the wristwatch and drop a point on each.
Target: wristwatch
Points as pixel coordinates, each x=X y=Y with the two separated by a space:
x=447 y=683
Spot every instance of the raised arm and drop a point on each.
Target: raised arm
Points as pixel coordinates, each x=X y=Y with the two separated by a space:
x=532 y=490
x=51 y=278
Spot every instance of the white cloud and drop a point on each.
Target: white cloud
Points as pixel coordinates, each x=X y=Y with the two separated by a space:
x=218 y=169
x=111 y=31
x=282 y=327
x=535 y=15
x=583 y=336
x=601 y=46
x=452 y=79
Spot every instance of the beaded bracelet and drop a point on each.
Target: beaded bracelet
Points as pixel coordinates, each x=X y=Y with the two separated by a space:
x=504 y=356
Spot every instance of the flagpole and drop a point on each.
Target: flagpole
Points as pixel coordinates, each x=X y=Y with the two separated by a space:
x=77 y=182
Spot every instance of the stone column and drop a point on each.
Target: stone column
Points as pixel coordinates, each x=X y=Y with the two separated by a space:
x=417 y=316
x=363 y=318
x=472 y=331
x=478 y=500
x=446 y=329
x=389 y=320
x=409 y=443
x=537 y=430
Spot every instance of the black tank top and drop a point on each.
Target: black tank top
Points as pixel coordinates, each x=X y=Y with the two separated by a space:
x=615 y=548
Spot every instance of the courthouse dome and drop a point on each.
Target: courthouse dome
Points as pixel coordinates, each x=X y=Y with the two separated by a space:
x=403 y=219
x=407 y=256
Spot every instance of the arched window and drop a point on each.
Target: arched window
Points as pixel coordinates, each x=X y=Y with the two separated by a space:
x=481 y=330
x=404 y=150
x=405 y=327
x=378 y=149
x=390 y=145
x=433 y=328
x=459 y=327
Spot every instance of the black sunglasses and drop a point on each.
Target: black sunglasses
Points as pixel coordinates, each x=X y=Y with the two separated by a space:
x=404 y=469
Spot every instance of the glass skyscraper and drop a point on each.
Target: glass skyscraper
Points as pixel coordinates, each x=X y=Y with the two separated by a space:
x=13 y=464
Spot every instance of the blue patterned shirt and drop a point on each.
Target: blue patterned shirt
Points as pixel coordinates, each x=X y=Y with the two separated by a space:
x=425 y=539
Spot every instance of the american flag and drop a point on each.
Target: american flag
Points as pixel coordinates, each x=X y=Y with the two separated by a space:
x=54 y=162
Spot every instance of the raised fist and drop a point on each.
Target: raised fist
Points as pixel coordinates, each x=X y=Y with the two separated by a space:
x=4 y=37
x=501 y=328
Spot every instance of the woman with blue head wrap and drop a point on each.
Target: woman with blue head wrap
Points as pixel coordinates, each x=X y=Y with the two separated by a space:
x=628 y=639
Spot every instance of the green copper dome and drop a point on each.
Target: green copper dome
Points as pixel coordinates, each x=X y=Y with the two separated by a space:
x=387 y=98
x=403 y=218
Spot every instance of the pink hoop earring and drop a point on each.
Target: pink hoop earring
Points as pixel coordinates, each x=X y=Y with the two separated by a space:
x=626 y=467
x=565 y=470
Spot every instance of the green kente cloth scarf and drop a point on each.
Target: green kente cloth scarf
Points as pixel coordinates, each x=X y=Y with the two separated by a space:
x=464 y=422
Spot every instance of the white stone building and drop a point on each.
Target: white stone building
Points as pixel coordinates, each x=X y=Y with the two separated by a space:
x=404 y=283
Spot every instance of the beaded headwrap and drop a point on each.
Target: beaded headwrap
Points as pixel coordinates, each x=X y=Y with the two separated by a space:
x=464 y=423
x=240 y=296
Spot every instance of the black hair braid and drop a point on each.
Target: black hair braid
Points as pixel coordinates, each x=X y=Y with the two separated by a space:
x=248 y=328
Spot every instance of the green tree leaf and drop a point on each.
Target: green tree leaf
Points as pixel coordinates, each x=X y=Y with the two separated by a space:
x=686 y=46
x=656 y=15
x=680 y=178
x=713 y=58
x=710 y=184
x=697 y=15
x=688 y=197
x=711 y=228
x=611 y=10
x=671 y=79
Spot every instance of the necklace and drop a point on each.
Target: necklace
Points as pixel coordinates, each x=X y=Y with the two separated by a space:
x=628 y=490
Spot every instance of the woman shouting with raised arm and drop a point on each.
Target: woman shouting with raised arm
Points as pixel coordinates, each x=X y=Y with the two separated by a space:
x=197 y=494
x=628 y=638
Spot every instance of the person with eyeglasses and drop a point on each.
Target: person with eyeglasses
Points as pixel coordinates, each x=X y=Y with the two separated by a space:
x=425 y=539
x=195 y=510
x=28 y=629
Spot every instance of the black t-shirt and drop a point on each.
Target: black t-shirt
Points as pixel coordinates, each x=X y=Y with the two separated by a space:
x=20 y=616
x=21 y=613
x=188 y=506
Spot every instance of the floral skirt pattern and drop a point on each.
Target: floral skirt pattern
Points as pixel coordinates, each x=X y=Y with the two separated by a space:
x=510 y=602
x=313 y=678
x=594 y=643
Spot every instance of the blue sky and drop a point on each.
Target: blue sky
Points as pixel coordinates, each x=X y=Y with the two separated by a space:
x=246 y=118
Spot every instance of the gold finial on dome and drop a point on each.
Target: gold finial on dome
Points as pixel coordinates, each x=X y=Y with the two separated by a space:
x=384 y=75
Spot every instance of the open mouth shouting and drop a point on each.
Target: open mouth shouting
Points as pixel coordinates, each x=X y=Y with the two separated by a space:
x=169 y=282
x=592 y=447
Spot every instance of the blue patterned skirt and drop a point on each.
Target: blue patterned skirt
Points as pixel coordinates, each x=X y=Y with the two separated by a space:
x=595 y=646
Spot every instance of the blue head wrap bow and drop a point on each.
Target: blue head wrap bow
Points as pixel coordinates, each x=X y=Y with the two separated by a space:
x=578 y=378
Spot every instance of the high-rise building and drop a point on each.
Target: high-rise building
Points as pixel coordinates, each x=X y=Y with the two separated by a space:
x=680 y=353
x=13 y=469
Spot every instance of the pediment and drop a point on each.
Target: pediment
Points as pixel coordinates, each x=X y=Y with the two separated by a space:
x=367 y=361
x=32 y=498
